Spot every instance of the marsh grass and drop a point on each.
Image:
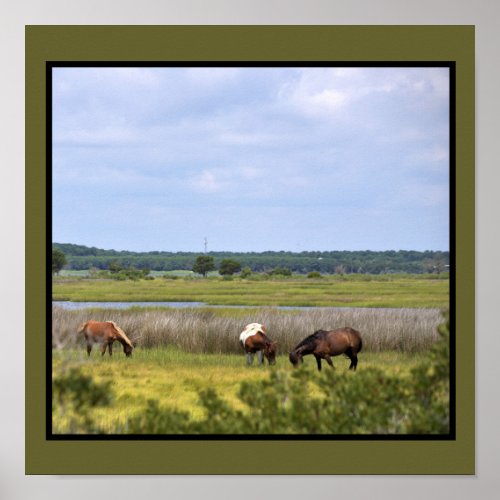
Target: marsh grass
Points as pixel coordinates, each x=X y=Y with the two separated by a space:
x=216 y=330
x=351 y=291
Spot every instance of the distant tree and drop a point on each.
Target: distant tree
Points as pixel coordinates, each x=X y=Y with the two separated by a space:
x=245 y=272
x=314 y=274
x=281 y=271
x=204 y=264
x=228 y=267
x=58 y=260
x=115 y=267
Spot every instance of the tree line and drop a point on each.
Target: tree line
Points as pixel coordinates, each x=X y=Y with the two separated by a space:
x=79 y=257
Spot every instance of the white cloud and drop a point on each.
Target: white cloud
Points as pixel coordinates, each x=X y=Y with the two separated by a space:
x=314 y=92
x=329 y=100
x=208 y=181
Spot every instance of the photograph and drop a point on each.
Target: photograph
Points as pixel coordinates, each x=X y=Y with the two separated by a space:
x=250 y=250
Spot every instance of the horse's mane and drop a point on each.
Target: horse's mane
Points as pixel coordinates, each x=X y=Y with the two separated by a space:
x=315 y=336
x=122 y=333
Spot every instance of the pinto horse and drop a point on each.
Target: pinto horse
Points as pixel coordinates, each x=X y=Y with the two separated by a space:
x=253 y=339
x=323 y=344
x=105 y=333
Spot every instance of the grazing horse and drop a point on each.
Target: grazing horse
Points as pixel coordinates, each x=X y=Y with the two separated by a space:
x=253 y=339
x=323 y=344
x=105 y=333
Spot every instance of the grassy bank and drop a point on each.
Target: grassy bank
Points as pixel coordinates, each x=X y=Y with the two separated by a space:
x=174 y=378
x=334 y=291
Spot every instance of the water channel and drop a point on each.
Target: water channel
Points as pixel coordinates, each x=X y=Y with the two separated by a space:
x=75 y=306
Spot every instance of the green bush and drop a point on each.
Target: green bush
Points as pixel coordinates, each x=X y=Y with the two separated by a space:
x=228 y=267
x=74 y=395
x=245 y=272
x=314 y=274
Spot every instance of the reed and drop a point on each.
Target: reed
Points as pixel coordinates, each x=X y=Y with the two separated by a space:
x=216 y=331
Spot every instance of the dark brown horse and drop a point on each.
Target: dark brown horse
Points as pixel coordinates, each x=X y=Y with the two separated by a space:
x=105 y=333
x=323 y=344
x=254 y=340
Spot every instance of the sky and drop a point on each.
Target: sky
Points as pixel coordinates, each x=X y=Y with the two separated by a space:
x=252 y=159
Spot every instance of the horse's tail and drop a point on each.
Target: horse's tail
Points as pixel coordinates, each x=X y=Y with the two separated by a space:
x=122 y=334
x=360 y=345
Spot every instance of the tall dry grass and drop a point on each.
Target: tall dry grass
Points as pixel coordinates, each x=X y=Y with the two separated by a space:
x=217 y=330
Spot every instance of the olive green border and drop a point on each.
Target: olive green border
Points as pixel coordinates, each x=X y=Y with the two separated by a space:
x=247 y=43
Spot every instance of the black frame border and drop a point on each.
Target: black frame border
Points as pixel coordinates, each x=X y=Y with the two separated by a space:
x=451 y=436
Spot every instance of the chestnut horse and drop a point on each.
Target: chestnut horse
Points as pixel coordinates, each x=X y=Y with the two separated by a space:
x=105 y=333
x=253 y=339
x=323 y=344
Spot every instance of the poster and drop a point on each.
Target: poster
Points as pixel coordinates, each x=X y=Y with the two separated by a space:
x=322 y=49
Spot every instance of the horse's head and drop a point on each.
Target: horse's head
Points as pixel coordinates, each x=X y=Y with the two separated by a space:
x=270 y=352
x=127 y=349
x=294 y=358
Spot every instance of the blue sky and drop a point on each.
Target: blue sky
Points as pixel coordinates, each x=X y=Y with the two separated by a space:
x=253 y=159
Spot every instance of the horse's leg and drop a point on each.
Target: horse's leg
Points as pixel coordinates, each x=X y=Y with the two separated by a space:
x=89 y=344
x=351 y=354
x=318 y=361
x=260 y=357
x=249 y=358
x=329 y=360
x=354 y=362
x=103 y=348
x=110 y=348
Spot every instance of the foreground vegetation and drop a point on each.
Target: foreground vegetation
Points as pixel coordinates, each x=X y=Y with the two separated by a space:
x=167 y=391
x=340 y=291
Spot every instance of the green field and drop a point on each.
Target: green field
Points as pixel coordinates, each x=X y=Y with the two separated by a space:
x=393 y=291
x=174 y=378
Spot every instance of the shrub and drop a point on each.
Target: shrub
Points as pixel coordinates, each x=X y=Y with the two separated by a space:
x=281 y=271
x=203 y=264
x=245 y=272
x=58 y=260
x=74 y=395
x=314 y=274
x=228 y=267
